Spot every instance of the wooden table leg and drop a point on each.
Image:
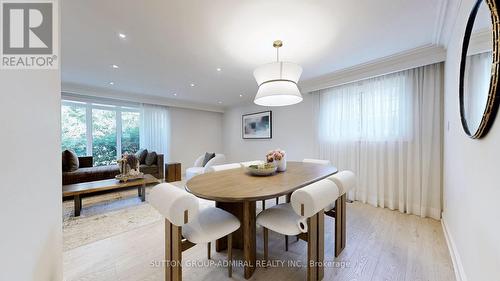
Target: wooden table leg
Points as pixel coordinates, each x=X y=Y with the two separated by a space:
x=249 y=233
x=143 y=192
x=78 y=204
x=244 y=238
x=139 y=191
x=237 y=210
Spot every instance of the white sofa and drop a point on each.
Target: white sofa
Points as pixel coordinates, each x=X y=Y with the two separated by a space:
x=198 y=168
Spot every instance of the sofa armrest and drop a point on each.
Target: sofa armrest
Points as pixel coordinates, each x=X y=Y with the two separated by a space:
x=85 y=161
x=160 y=162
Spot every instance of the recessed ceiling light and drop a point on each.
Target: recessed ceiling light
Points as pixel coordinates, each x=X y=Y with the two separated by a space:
x=219 y=102
x=111 y=83
x=192 y=85
x=175 y=94
x=241 y=95
x=219 y=69
x=122 y=35
x=115 y=66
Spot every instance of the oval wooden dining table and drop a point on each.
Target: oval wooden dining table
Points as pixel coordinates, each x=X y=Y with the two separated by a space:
x=237 y=192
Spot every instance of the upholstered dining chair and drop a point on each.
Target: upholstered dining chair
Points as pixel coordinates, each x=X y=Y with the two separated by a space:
x=304 y=217
x=306 y=160
x=345 y=181
x=316 y=161
x=223 y=167
x=254 y=162
x=309 y=160
x=186 y=225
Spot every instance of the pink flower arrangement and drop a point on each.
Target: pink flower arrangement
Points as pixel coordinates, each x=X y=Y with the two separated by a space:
x=275 y=155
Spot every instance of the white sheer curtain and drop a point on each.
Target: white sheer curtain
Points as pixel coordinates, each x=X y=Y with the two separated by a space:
x=155 y=128
x=388 y=131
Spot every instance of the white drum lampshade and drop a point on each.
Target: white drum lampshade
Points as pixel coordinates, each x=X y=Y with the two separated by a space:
x=278 y=82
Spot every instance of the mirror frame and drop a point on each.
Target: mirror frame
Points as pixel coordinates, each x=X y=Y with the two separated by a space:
x=493 y=101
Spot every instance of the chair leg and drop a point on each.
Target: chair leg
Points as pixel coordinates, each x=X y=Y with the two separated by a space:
x=263 y=205
x=286 y=243
x=266 y=254
x=176 y=253
x=277 y=200
x=340 y=225
x=168 y=250
x=230 y=255
x=209 y=247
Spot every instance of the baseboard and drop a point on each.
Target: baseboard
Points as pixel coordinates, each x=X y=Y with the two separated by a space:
x=455 y=257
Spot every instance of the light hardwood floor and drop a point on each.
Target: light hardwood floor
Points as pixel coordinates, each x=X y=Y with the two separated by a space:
x=381 y=245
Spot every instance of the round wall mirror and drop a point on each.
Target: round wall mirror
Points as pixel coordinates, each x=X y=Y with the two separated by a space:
x=479 y=70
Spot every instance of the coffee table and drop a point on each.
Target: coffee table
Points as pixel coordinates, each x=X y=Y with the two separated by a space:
x=86 y=188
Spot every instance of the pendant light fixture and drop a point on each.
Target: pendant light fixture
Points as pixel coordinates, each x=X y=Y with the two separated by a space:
x=278 y=82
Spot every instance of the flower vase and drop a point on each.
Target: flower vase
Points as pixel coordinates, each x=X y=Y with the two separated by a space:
x=281 y=164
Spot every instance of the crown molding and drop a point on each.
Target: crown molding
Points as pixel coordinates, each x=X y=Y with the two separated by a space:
x=424 y=55
x=80 y=89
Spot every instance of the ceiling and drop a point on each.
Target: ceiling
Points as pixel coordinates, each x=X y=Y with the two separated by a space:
x=172 y=44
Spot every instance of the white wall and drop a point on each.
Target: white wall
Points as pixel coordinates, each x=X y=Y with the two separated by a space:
x=293 y=131
x=30 y=171
x=193 y=132
x=471 y=177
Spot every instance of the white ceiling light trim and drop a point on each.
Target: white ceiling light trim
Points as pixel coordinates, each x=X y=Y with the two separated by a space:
x=278 y=82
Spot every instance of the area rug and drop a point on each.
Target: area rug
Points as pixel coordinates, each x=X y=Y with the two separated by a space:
x=107 y=215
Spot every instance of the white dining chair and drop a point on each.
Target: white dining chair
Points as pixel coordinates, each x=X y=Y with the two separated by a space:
x=186 y=225
x=304 y=215
x=306 y=160
x=345 y=181
x=254 y=162
x=316 y=161
x=223 y=167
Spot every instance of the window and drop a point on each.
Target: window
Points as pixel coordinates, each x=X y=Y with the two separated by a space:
x=104 y=146
x=130 y=131
x=377 y=109
x=74 y=128
x=101 y=130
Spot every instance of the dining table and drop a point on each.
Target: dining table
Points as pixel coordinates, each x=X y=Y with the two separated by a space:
x=237 y=191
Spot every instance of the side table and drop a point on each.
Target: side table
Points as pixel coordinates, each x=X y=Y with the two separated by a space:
x=172 y=171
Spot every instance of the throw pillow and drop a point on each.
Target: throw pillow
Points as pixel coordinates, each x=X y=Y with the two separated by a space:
x=151 y=158
x=141 y=155
x=208 y=157
x=70 y=161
